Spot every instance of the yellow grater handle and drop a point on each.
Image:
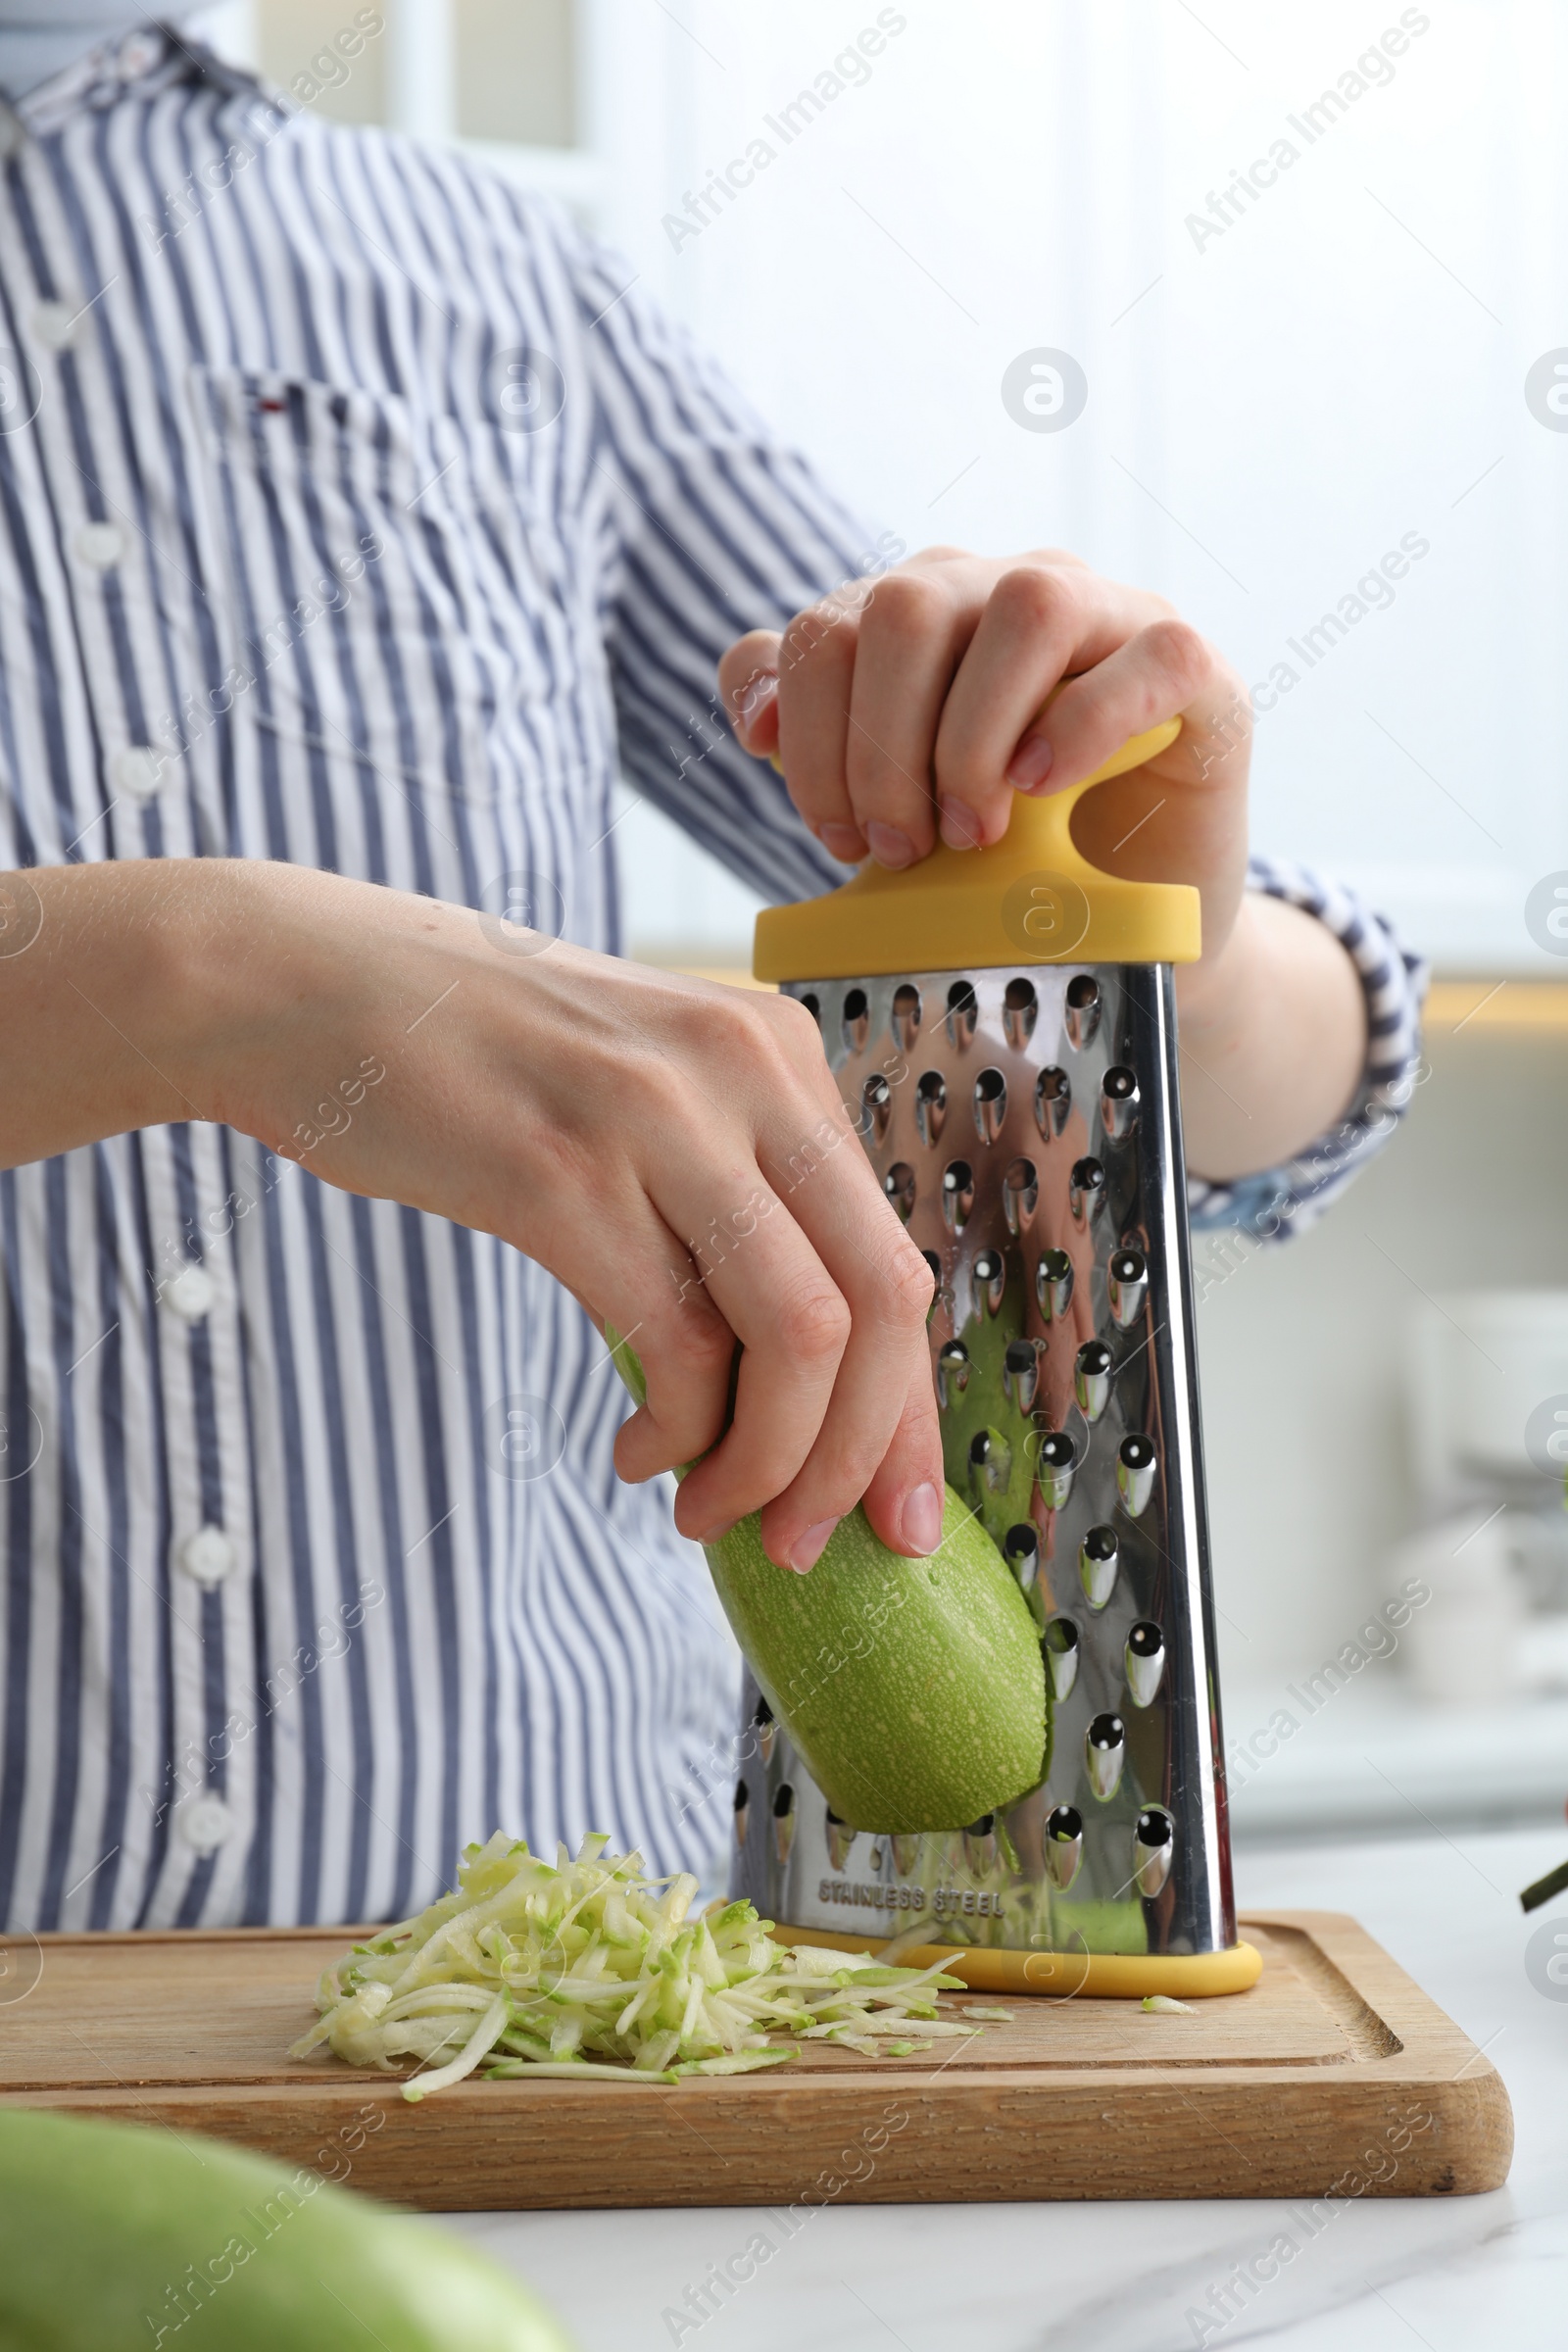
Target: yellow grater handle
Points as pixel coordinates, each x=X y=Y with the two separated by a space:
x=1031 y=898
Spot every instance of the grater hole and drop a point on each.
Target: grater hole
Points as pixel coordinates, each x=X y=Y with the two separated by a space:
x=1063 y=1845
x=964 y=1012
x=1020 y=1196
x=1020 y=1373
x=1053 y=1280
x=958 y=1194
x=905 y=1021
x=1021 y=1010
x=1118 y=1101
x=898 y=1186
x=1021 y=1551
x=1052 y=1100
x=1098 y=1559
x=1086 y=1188
x=1081 y=1010
x=1144 y=1662
x=930 y=1105
x=990 y=1104
x=990 y=1279
x=1154 y=1847
x=1060 y=1648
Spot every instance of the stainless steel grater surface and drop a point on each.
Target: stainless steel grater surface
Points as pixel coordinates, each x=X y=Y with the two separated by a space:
x=1025 y=1124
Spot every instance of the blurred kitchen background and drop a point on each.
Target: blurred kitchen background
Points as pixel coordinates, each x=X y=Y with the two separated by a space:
x=1355 y=348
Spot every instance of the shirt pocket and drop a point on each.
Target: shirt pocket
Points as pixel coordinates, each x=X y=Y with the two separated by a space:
x=380 y=595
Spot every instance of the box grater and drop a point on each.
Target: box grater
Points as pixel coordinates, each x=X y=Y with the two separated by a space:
x=1002 y=1024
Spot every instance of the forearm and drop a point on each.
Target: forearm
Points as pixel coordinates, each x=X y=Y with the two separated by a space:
x=1274 y=1041
x=227 y=989
x=97 y=1004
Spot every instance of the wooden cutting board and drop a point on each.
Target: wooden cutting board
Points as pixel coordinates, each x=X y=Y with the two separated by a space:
x=1334 y=2075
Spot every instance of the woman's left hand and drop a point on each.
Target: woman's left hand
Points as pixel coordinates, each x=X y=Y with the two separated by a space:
x=911 y=705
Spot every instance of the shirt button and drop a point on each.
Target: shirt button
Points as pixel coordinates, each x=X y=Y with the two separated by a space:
x=189 y=1294
x=100 y=545
x=138 y=55
x=208 y=1555
x=55 y=323
x=205 y=1823
x=136 y=770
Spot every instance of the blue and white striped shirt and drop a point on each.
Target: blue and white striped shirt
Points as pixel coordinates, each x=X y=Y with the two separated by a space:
x=353 y=512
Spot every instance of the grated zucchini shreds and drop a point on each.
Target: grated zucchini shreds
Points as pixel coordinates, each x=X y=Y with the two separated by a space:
x=587 y=1968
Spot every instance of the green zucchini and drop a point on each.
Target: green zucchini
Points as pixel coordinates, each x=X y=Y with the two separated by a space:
x=122 y=2237
x=914 y=1691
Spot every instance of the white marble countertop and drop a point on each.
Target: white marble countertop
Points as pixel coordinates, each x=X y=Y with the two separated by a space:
x=1451 y=2274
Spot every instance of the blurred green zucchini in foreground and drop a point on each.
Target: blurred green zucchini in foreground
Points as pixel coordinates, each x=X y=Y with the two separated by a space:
x=124 y=2237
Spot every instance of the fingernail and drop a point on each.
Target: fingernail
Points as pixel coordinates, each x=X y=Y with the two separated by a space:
x=920 y=1520
x=807 y=1550
x=961 y=827
x=716 y=1535
x=844 y=842
x=890 y=846
x=1030 y=764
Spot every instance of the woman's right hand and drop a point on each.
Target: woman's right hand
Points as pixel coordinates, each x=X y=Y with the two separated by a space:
x=675 y=1152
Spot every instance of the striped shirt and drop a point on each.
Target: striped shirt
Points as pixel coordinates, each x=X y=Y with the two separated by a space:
x=354 y=512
